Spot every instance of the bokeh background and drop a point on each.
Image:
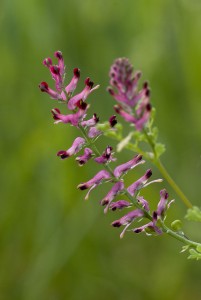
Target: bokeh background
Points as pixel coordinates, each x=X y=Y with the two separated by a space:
x=53 y=244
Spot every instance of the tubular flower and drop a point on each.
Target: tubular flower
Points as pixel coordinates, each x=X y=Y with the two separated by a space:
x=143 y=202
x=83 y=95
x=59 y=56
x=94 y=182
x=120 y=204
x=163 y=204
x=85 y=157
x=106 y=157
x=141 y=183
x=75 y=148
x=124 y=168
x=94 y=132
x=115 y=190
x=128 y=219
x=134 y=105
x=43 y=86
x=148 y=228
x=91 y=122
x=57 y=71
x=73 y=119
x=74 y=81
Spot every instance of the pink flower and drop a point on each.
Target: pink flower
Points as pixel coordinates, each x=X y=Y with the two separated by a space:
x=140 y=183
x=85 y=157
x=57 y=71
x=94 y=182
x=106 y=157
x=134 y=105
x=124 y=168
x=91 y=122
x=94 y=132
x=120 y=204
x=148 y=228
x=73 y=84
x=83 y=95
x=75 y=148
x=59 y=56
x=163 y=204
x=54 y=95
x=115 y=190
x=73 y=119
x=128 y=219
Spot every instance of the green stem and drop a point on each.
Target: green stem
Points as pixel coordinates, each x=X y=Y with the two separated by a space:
x=165 y=173
x=172 y=183
x=179 y=237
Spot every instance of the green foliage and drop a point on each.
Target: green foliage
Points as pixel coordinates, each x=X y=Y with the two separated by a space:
x=194 y=254
x=194 y=214
x=176 y=225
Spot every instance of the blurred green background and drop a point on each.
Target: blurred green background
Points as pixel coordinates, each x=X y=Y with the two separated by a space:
x=53 y=244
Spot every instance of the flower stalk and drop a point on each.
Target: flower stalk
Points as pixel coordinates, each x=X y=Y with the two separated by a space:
x=136 y=109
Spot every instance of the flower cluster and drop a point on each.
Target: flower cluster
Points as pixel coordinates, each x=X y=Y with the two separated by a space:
x=133 y=105
x=126 y=85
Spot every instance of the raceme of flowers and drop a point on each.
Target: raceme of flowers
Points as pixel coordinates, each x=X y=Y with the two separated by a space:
x=134 y=106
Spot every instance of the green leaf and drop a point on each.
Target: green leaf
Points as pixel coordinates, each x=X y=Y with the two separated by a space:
x=193 y=214
x=124 y=143
x=198 y=248
x=194 y=254
x=160 y=149
x=176 y=225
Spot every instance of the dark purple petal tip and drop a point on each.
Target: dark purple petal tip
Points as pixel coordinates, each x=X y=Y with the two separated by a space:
x=116 y=224
x=148 y=173
x=63 y=154
x=82 y=186
x=113 y=121
x=43 y=86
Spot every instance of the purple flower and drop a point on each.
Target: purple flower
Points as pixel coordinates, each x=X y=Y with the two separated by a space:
x=120 y=204
x=134 y=105
x=73 y=84
x=143 y=202
x=54 y=95
x=73 y=119
x=75 y=148
x=57 y=71
x=106 y=157
x=94 y=132
x=121 y=169
x=143 y=117
x=83 y=95
x=85 y=157
x=115 y=190
x=128 y=219
x=59 y=56
x=94 y=182
x=91 y=122
x=163 y=204
x=128 y=117
x=148 y=228
x=137 y=185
